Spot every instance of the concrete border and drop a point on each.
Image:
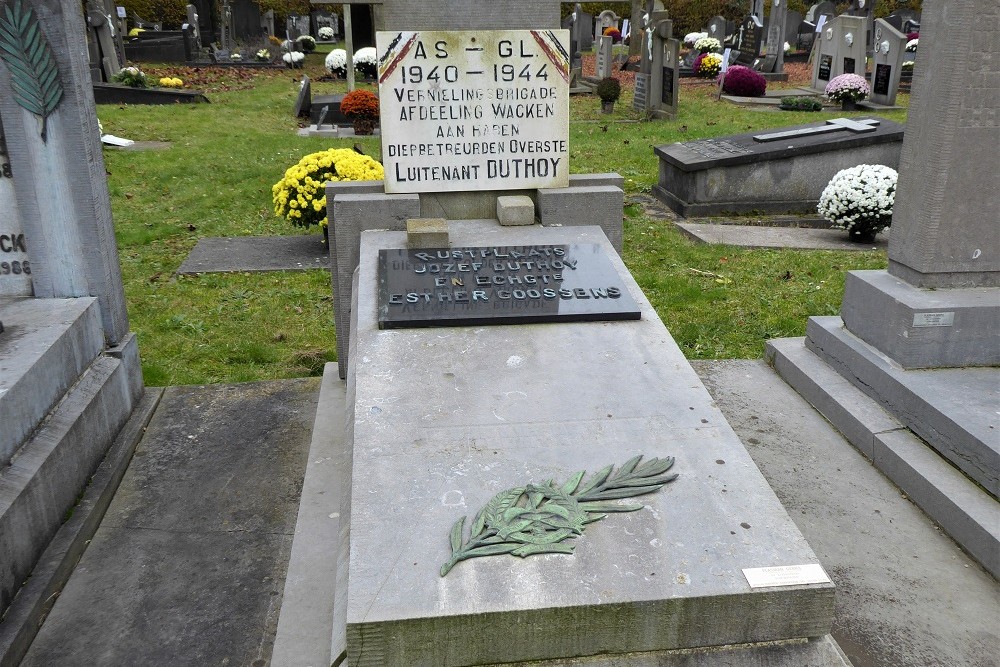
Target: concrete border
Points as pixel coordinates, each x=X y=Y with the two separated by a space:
x=25 y=615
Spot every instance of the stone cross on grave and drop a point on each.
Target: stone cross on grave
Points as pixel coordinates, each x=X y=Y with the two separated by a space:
x=832 y=125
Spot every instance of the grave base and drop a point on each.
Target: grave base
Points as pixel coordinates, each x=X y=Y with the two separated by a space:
x=476 y=410
x=110 y=93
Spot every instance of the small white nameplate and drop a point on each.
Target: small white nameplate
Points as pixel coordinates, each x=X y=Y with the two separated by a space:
x=785 y=575
x=934 y=319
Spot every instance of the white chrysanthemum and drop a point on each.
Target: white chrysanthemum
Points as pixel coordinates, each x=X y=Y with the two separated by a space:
x=860 y=199
x=336 y=61
x=325 y=33
x=912 y=44
x=706 y=44
x=365 y=56
x=293 y=57
x=692 y=37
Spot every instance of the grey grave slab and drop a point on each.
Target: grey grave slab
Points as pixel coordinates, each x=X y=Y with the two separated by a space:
x=741 y=173
x=188 y=566
x=759 y=236
x=256 y=253
x=475 y=410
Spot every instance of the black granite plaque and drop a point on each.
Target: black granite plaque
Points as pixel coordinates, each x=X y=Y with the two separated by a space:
x=500 y=285
x=849 y=65
x=667 y=94
x=825 y=65
x=883 y=73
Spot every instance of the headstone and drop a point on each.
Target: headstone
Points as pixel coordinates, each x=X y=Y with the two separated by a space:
x=825 y=8
x=776 y=37
x=866 y=10
x=840 y=50
x=226 y=39
x=471 y=111
x=904 y=19
x=267 y=23
x=664 y=72
x=303 y=101
x=296 y=26
x=717 y=28
x=887 y=62
x=606 y=19
x=194 y=26
x=15 y=264
x=779 y=171
x=793 y=20
x=102 y=29
x=806 y=36
x=55 y=205
x=748 y=39
x=604 y=59
x=644 y=97
x=757 y=9
x=325 y=19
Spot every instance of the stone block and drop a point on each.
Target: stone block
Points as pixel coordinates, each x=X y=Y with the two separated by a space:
x=47 y=344
x=515 y=211
x=590 y=180
x=953 y=409
x=363 y=207
x=427 y=233
x=923 y=328
x=600 y=205
x=475 y=410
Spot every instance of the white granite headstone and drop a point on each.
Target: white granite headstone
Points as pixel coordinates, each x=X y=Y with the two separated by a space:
x=474 y=110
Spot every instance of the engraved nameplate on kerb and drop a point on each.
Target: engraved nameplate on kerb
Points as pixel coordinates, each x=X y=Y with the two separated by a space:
x=934 y=319
x=715 y=148
x=786 y=575
x=500 y=285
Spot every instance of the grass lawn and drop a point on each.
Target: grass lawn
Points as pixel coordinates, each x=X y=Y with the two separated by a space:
x=215 y=180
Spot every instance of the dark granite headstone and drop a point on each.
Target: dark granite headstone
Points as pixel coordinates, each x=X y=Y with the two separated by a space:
x=506 y=285
x=748 y=39
x=792 y=22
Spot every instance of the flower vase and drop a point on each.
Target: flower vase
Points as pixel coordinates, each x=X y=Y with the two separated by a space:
x=364 y=126
x=862 y=235
x=608 y=107
x=848 y=105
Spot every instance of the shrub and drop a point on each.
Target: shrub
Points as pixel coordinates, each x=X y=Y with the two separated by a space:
x=336 y=63
x=609 y=89
x=707 y=65
x=743 y=81
x=860 y=199
x=300 y=196
x=360 y=103
x=792 y=103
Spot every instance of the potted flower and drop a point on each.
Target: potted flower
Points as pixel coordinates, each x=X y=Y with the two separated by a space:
x=848 y=89
x=609 y=90
x=692 y=37
x=306 y=43
x=707 y=65
x=336 y=63
x=133 y=77
x=614 y=33
x=361 y=106
x=366 y=63
x=326 y=34
x=294 y=59
x=708 y=45
x=860 y=199
x=262 y=56
x=300 y=196
x=743 y=81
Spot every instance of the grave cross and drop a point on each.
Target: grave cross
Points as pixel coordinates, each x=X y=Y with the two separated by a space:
x=832 y=125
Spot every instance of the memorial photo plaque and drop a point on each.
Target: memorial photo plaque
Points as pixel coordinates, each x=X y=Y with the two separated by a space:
x=883 y=74
x=849 y=65
x=825 y=65
x=438 y=287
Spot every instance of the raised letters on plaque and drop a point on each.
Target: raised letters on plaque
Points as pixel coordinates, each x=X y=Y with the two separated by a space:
x=474 y=110
x=500 y=285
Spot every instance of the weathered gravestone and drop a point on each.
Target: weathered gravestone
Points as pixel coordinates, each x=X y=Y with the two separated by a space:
x=840 y=50
x=296 y=26
x=70 y=368
x=606 y=19
x=748 y=39
x=775 y=43
x=779 y=171
x=664 y=71
x=825 y=8
x=887 y=62
x=919 y=340
x=792 y=21
x=605 y=63
x=717 y=28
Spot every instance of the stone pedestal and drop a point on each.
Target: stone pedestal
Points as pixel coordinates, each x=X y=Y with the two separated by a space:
x=927 y=327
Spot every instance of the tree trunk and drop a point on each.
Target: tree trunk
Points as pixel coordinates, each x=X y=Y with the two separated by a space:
x=635 y=43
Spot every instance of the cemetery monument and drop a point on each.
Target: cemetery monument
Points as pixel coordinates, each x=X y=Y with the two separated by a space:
x=919 y=340
x=444 y=266
x=70 y=367
x=887 y=63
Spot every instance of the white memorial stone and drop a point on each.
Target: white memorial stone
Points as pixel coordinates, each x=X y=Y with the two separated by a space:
x=474 y=110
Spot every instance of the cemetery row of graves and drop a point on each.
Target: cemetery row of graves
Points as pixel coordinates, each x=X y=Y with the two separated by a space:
x=215 y=180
